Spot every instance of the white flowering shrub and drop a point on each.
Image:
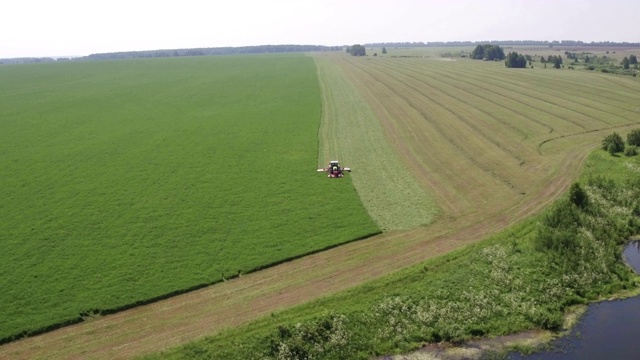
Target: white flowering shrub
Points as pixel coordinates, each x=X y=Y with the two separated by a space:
x=318 y=339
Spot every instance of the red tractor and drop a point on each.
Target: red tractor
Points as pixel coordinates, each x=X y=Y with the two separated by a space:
x=334 y=169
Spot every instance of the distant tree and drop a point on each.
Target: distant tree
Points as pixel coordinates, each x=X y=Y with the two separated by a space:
x=348 y=49
x=557 y=63
x=633 y=60
x=358 y=50
x=543 y=60
x=613 y=143
x=478 y=53
x=625 y=63
x=586 y=59
x=384 y=50
x=487 y=52
x=494 y=53
x=515 y=60
x=633 y=137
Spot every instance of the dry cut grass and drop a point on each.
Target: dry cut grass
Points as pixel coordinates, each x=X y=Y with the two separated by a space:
x=488 y=141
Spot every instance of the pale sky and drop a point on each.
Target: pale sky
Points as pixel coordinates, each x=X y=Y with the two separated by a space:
x=76 y=28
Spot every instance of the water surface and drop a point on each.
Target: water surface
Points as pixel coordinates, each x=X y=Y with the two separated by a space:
x=608 y=330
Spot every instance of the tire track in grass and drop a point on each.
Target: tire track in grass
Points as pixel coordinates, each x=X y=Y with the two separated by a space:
x=438 y=127
x=350 y=132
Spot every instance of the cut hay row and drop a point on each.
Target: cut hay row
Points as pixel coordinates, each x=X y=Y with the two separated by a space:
x=465 y=156
x=481 y=82
x=558 y=91
x=514 y=117
x=464 y=115
x=351 y=133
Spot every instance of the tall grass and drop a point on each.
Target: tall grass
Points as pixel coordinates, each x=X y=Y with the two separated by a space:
x=124 y=181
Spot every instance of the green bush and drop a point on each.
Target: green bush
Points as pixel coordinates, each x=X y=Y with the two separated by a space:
x=631 y=151
x=633 y=138
x=613 y=143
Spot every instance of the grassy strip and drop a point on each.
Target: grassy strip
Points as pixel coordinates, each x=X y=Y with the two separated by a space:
x=125 y=182
x=514 y=281
x=350 y=132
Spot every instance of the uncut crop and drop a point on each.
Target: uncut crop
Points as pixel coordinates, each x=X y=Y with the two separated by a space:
x=124 y=181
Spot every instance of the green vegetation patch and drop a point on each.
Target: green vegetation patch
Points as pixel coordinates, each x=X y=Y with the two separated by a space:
x=522 y=278
x=124 y=181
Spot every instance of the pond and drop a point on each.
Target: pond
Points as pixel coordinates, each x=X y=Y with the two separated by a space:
x=608 y=330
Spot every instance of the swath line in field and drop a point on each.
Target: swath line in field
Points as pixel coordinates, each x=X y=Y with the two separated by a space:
x=440 y=130
x=461 y=118
x=484 y=98
x=589 y=104
x=551 y=99
x=591 y=88
x=509 y=94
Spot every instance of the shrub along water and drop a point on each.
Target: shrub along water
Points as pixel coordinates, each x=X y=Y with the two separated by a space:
x=523 y=278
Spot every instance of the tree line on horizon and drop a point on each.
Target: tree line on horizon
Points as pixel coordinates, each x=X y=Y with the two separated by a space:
x=504 y=43
x=259 y=49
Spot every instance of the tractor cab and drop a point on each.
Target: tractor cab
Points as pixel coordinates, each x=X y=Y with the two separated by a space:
x=334 y=165
x=334 y=169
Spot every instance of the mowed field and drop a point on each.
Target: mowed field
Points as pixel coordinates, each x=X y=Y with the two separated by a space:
x=487 y=140
x=125 y=181
x=488 y=146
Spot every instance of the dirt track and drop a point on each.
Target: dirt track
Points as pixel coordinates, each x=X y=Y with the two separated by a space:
x=204 y=312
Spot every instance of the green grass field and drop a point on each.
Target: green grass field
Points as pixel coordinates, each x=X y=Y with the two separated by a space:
x=124 y=181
